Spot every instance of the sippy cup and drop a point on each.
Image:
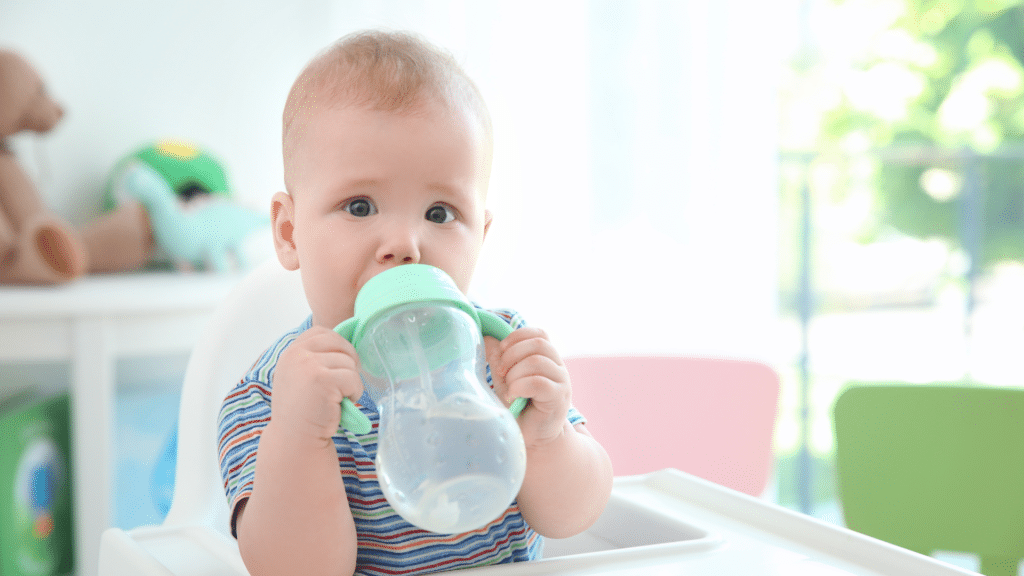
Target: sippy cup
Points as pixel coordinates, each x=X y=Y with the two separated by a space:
x=450 y=456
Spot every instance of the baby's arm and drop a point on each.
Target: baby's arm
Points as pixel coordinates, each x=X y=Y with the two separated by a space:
x=568 y=474
x=297 y=520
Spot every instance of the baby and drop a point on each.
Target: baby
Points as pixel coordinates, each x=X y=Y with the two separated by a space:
x=387 y=155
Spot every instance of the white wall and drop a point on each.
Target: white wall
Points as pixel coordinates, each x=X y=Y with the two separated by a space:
x=132 y=72
x=634 y=185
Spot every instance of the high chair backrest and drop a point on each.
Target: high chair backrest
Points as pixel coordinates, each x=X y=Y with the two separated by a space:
x=935 y=467
x=268 y=302
x=710 y=417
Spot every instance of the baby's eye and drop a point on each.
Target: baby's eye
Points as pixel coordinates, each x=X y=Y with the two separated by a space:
x=440 y=214
x=360 y=207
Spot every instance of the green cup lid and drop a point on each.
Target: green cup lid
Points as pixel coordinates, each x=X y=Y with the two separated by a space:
x=405 y=284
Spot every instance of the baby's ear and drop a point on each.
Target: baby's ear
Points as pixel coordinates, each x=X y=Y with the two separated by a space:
x=488 y=218
x=282 y=220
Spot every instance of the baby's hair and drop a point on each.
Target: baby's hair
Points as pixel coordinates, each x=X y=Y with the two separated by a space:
x=387 y=71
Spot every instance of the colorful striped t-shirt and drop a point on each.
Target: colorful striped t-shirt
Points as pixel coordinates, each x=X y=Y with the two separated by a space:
x=387 y=543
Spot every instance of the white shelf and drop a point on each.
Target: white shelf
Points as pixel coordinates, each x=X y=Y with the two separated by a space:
x=90 y=324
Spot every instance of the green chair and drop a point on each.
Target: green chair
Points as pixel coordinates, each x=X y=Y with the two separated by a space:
x=935 y=467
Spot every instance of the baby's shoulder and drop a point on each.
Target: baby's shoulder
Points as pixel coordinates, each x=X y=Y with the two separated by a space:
x=263 y=368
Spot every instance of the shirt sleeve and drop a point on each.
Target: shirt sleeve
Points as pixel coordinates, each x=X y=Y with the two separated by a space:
x=244 y=415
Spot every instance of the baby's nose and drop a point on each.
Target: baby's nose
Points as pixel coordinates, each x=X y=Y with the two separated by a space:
x=400 y=257
x=399 y=249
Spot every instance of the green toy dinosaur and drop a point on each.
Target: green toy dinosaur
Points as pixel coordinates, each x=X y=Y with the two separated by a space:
x=185 y=194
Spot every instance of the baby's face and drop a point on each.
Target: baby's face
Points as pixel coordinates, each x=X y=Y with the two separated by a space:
x=371 y=190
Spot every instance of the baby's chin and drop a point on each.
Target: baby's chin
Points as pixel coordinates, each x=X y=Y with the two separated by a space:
x=332 y=320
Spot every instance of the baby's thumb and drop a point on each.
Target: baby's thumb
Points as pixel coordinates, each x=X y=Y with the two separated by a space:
x=492 y=351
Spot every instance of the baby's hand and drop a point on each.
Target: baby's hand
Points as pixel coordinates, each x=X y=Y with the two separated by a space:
x=526 y=364
x=313 y=375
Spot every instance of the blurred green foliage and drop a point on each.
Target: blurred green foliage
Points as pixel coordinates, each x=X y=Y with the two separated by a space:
x=937 y=74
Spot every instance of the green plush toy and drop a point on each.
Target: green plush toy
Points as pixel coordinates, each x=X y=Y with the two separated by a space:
x=188 y=170
x=187 y=201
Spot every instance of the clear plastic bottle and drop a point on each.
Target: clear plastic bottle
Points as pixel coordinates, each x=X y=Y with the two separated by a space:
x=450 y=456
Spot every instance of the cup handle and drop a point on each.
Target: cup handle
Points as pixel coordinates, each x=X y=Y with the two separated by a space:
x=352 y=418
x=492 y=325
x=346 y=329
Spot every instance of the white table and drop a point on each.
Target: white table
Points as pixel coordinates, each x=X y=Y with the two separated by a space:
x=663 y=523
x=91 y=323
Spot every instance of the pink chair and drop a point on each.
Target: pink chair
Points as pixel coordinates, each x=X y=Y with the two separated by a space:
x=708 y=417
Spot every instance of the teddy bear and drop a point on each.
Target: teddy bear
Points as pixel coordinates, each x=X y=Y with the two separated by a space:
x=36 y=246
x=168 y=201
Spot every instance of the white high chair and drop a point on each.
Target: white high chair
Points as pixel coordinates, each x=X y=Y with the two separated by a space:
x=667 y=519
x=194 y=537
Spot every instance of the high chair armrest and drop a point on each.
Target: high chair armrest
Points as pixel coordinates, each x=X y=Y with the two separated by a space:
x=169 y=551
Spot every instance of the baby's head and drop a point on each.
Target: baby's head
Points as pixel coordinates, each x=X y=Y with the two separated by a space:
x=386 y=71
x=387 y=151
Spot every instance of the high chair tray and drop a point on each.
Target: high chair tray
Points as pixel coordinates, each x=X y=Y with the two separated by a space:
x=663 y=522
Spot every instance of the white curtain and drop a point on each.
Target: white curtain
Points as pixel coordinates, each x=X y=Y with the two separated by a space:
x=634 y=187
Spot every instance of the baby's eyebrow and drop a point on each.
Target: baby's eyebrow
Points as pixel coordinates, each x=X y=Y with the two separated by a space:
x=362 y=184
x=450 y=191
x=358 y=187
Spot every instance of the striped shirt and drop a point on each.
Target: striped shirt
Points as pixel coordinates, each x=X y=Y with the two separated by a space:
x=387 y=543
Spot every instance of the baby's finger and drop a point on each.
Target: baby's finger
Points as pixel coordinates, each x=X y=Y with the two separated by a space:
x=492 y=349
x=320 y=339
x=526 y=349
x=536 y=365
x=338 y=361
x=493 y=352
x=520 y=334
x=541 y=390
x=347 y=383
